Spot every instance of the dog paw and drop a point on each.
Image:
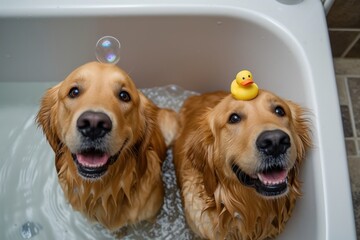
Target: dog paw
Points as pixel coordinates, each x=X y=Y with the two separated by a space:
x=169 y=125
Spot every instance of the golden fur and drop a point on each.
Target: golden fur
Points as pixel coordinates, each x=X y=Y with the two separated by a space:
x=131 y=190
x=217 y=205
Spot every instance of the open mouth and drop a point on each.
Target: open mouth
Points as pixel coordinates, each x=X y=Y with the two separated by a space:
x=93 y=163
x=270 y=182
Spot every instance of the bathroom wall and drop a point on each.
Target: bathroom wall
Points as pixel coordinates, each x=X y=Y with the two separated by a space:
x=344 y=32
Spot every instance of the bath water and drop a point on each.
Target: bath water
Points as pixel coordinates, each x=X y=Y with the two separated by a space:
x=32 y=204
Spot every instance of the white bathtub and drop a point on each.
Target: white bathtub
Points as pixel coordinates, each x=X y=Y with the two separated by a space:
x=199 y=45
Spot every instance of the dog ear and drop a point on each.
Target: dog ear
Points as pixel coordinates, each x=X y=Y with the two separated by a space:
x=200 y=151
x=47 y=115
x=302 y=127
x=210 y=178
x=150 y=135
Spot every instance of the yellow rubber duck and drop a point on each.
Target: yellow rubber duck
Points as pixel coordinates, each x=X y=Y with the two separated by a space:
x=243 y=87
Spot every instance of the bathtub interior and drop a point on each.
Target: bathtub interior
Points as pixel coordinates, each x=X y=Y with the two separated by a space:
x=199 y=53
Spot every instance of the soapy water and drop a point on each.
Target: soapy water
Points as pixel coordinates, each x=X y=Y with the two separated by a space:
x=108 y=50
x=32 y=202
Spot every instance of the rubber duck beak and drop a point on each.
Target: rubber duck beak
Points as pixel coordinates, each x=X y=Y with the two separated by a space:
x=247 y=82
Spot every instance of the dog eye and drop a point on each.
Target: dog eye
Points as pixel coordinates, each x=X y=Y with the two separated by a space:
x=74 y=92
x=279 y=111
x=124 y=96
x=234 y=118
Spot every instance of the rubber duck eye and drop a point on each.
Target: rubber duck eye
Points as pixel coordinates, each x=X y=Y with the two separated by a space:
x=249 y=76
x=74 y=92
x=243 y=78
x=279 y=111
x=124 y=96
x=234 y=118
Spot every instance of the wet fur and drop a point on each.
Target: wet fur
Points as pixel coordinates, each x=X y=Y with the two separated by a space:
x=216 y=204
x=132 y=188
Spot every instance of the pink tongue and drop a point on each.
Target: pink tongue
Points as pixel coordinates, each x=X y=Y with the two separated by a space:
x=273 y=177
x=92 y=160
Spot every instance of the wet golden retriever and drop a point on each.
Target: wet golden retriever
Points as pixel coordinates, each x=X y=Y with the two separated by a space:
x=237 y=164
x=109 y=142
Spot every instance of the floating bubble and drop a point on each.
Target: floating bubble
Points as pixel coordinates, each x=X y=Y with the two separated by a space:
x=29 y=230
x=108 y=50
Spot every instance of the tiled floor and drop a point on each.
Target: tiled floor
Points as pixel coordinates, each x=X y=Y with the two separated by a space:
x=348 y=82
x=344 y=28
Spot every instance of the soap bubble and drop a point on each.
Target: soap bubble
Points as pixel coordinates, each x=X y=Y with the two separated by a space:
x=108 y=50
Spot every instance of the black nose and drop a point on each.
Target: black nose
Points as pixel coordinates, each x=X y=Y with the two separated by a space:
x=94 y=124
x=274 y=142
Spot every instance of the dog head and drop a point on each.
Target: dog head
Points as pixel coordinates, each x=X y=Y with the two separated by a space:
x=258 y=143
x=95 y=113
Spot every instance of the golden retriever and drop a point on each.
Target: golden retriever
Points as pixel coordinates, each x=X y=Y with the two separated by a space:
x=109 y=142
x=237 y=164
